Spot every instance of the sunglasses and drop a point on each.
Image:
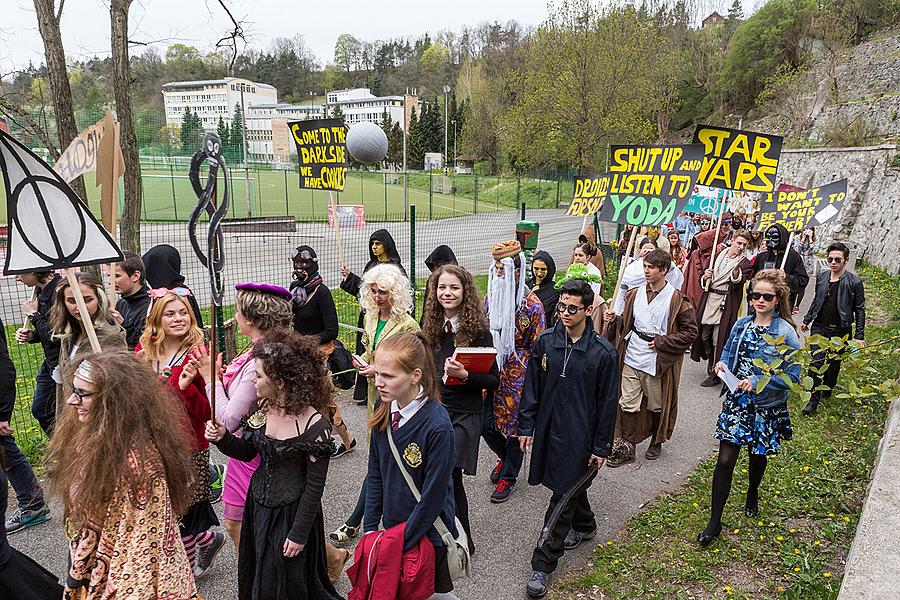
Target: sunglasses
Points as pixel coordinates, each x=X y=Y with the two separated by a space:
x=161 y=292
x=569 y=308
x=835 y=259
x=765 y=296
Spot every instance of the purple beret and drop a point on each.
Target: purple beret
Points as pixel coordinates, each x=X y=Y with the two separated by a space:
x=265 y=288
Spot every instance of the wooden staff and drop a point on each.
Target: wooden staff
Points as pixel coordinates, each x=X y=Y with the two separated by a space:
x=612 y=301
x=86 y=322
x=337 y=227
x=712 y=260
x=112 y=232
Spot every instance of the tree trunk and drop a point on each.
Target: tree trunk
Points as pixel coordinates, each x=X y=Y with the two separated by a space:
x=130 y=227
x=48 y=25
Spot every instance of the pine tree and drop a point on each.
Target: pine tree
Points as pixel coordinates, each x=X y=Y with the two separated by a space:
x=415 y=147
x=191 y=128
x=222 y=131
x=236 y=134
x=735 y=13
x=336 y=112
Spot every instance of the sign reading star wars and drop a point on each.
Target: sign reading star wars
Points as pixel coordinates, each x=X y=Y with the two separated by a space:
x=322 y=149
x=645 y=185
x=738 y=160
x=796 y=208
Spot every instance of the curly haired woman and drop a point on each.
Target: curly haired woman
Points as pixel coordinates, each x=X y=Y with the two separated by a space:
x=283 y=541
x=118 y=464
x=454 y=319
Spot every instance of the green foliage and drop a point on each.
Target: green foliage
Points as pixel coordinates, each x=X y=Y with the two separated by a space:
x=850 y=131
x=234 y=148
x=191 y=130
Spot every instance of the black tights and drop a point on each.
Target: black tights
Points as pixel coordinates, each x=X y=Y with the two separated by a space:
x=721 y=486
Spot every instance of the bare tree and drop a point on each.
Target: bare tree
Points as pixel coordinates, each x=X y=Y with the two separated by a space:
x=130 y=228
x=49 y=14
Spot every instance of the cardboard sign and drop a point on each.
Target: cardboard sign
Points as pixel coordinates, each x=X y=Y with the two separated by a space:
x=705 y=201
x=322 y=149
x=84 y=153
x=738 y=160
x=796 y=208
x=49 y=226
x=645 y=185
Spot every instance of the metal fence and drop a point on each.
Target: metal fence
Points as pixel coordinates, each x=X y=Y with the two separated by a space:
x=266 y=256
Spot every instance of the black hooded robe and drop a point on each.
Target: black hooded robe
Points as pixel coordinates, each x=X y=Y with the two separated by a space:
x=352 y=285
x=163 y=269
x=794 y=269
x=440 y=256
x=546 y=293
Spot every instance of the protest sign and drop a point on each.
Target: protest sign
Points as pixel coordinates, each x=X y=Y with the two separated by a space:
x=645 y=185
x=738 y=160
x=322 y=149
x=83 y=155
x=705 y=201
x=796 y=208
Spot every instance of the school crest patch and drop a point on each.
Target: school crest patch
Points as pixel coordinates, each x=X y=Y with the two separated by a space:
x=524 y=322
x=413 y=455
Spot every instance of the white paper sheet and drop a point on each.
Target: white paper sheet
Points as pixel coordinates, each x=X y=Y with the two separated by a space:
x=729 y=379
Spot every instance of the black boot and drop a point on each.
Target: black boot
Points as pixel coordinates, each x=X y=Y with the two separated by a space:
x=812 y=405
x=655 y=447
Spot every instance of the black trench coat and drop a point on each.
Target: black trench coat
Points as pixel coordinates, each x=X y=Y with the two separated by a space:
x=569 y=417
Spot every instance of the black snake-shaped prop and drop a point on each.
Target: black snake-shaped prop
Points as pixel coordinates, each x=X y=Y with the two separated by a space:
x=214 y=258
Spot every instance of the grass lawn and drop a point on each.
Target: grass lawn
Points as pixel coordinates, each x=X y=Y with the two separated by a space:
x=810 y=500
x=168 y=195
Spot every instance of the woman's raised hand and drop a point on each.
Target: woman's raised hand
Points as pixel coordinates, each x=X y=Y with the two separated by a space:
x=215 y=431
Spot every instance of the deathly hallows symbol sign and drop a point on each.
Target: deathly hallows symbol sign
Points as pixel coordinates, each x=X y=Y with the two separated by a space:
x=49 y=226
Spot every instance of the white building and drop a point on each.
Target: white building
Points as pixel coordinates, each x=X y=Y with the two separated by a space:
x=360 y=105
x=267 y=127
x=213 y=98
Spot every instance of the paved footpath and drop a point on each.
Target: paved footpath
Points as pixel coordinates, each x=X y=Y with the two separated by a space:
x=505 y=534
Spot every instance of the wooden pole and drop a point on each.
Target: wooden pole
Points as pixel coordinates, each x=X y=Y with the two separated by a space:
x=86 y=322
x=337 y=228
x=712 y=260
x=106 y=190
x=612 y=301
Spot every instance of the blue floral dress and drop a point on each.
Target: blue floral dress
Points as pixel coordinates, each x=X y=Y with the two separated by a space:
x=743 y=423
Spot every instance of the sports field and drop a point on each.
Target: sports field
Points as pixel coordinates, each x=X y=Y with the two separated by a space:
x=168 y=195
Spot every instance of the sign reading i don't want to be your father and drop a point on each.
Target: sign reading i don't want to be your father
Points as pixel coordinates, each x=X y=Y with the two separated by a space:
x=322 y=152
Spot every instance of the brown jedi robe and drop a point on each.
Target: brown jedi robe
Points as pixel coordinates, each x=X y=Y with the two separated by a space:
x=670 y=349
x=729 y=316
x=697 y=262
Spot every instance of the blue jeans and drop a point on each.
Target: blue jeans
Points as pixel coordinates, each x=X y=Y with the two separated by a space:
x=43 y=406
x=21 y=476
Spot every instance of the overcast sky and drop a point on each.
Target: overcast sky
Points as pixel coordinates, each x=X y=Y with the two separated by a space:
x=85 y=23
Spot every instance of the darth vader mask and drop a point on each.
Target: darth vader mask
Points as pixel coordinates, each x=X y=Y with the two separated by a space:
x=773 y=238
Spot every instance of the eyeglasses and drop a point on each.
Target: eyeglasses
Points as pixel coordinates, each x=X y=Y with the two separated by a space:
x=835 y=259
x=162 y=292
x=763 y=295
x=81 y=394
x=569 y=308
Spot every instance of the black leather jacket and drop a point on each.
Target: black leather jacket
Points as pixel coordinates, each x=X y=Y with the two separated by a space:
x=851 y=302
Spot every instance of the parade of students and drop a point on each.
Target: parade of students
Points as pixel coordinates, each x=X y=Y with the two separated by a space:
x=837 y=310
x=453 y=318
x=36 y=311
x=657 y=325
x=170 y=340
x=282 y=545
x=412 y=453
x=516 y=319
x=134 y=301
x=569 y=411
x=69 y=330
x=386 y=299
x=756 y=419
x=121 y=514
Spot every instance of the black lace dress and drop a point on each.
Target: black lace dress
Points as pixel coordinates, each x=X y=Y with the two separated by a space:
x=284 y=502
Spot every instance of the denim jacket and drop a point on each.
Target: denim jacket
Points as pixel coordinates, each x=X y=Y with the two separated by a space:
x=776 y=391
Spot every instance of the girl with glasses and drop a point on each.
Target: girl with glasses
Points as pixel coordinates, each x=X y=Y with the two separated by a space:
x=118 y=465
x=757 y=419
x=68 y=329
x=454 y=319
x=170 y=339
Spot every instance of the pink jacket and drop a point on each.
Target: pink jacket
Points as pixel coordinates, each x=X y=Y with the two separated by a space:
x=381 y=571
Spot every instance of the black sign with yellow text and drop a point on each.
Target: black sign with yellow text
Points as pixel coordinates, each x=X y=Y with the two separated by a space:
x=738 y=160
x=322 y=149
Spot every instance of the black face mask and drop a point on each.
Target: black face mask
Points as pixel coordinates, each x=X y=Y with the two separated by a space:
x=773 y=239
x=300 y=274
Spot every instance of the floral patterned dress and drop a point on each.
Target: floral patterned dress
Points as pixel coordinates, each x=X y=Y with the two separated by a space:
x=136 y=552
x=742 y=422
x=530 y=322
